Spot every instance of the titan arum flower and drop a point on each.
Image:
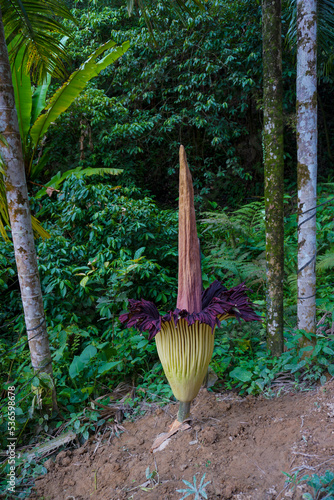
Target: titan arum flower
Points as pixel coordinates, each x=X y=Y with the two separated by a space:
x=185 y=336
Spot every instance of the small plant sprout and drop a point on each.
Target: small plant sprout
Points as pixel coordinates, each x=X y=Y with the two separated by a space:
x=185 y=336
x=198 y=491
x=323 y=486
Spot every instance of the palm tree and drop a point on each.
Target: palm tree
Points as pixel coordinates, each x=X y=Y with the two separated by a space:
x=28 y=24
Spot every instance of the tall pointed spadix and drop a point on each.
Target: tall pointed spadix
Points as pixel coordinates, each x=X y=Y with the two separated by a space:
x=190 y=276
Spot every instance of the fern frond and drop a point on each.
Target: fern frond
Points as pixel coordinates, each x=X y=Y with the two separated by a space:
x=252 y=216
x=292 y=282
x=228 y=265
x=325 y=261
x=251 y=271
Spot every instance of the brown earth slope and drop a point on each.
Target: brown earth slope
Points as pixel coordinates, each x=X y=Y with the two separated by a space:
x=242 y=445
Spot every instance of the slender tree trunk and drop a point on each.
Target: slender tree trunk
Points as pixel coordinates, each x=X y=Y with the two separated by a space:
x=307 y=161
x=20 y=219
x=273 y=170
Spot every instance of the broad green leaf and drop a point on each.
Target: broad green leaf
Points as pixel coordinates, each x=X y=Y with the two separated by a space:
x=76 y=367
x=87 y=354
x=66 y=94
x=241 y=374
x=107 y=366
x=39 y=99
x=299 y=365
x=22 y=92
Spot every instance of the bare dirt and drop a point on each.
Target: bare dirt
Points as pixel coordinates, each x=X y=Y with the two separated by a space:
x=242 y=445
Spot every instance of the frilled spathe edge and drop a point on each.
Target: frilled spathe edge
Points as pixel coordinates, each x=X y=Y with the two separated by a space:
x=217 y=301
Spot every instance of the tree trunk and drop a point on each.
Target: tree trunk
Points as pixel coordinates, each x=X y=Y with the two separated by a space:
x=273 y=170
x=20 y=220
x=307 y=162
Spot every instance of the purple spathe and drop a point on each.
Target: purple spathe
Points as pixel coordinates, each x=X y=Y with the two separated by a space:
x=217 y=301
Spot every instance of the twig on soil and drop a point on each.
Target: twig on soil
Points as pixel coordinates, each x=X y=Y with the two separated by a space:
x=256 y=465
x=216 y=419
x=304 y=454
x=325 y=462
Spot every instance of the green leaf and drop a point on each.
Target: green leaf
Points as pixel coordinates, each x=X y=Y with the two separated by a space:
x=328 y=350
x=241 y=374
x=299 y=365
x=39 y=98
x=22 y=92
x=323 y=361
x=308 y=348
x=106 y=367
x=46 y=380
x=76 y=367
x=87 y=354
x=84 y=281
x=307 y=496
x=142 y=343
x=66 y=94
x=139 y=253
x=36 y=168
x=330 y=369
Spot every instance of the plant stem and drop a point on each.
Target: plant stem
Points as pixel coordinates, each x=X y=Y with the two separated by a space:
x=184 y=411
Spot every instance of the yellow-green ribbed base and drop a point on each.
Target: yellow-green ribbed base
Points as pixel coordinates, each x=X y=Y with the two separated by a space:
x=185 y=353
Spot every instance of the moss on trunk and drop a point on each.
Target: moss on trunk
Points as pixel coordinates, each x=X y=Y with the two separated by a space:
x=273 y=170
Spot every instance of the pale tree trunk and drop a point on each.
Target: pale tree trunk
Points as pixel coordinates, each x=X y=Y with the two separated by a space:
x=273 y=170
x=20 y=220
x=307 y=161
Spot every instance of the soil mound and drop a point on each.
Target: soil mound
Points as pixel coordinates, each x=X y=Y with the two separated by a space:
x=242 y=445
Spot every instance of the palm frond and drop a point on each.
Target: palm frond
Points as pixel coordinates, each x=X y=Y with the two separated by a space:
x=66 y=94
x=38 y=229
x=325 y=33
x=34 y=26
x=78 y=172
x=4 y=218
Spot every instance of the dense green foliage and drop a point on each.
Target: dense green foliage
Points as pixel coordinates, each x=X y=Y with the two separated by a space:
x=200 y=85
